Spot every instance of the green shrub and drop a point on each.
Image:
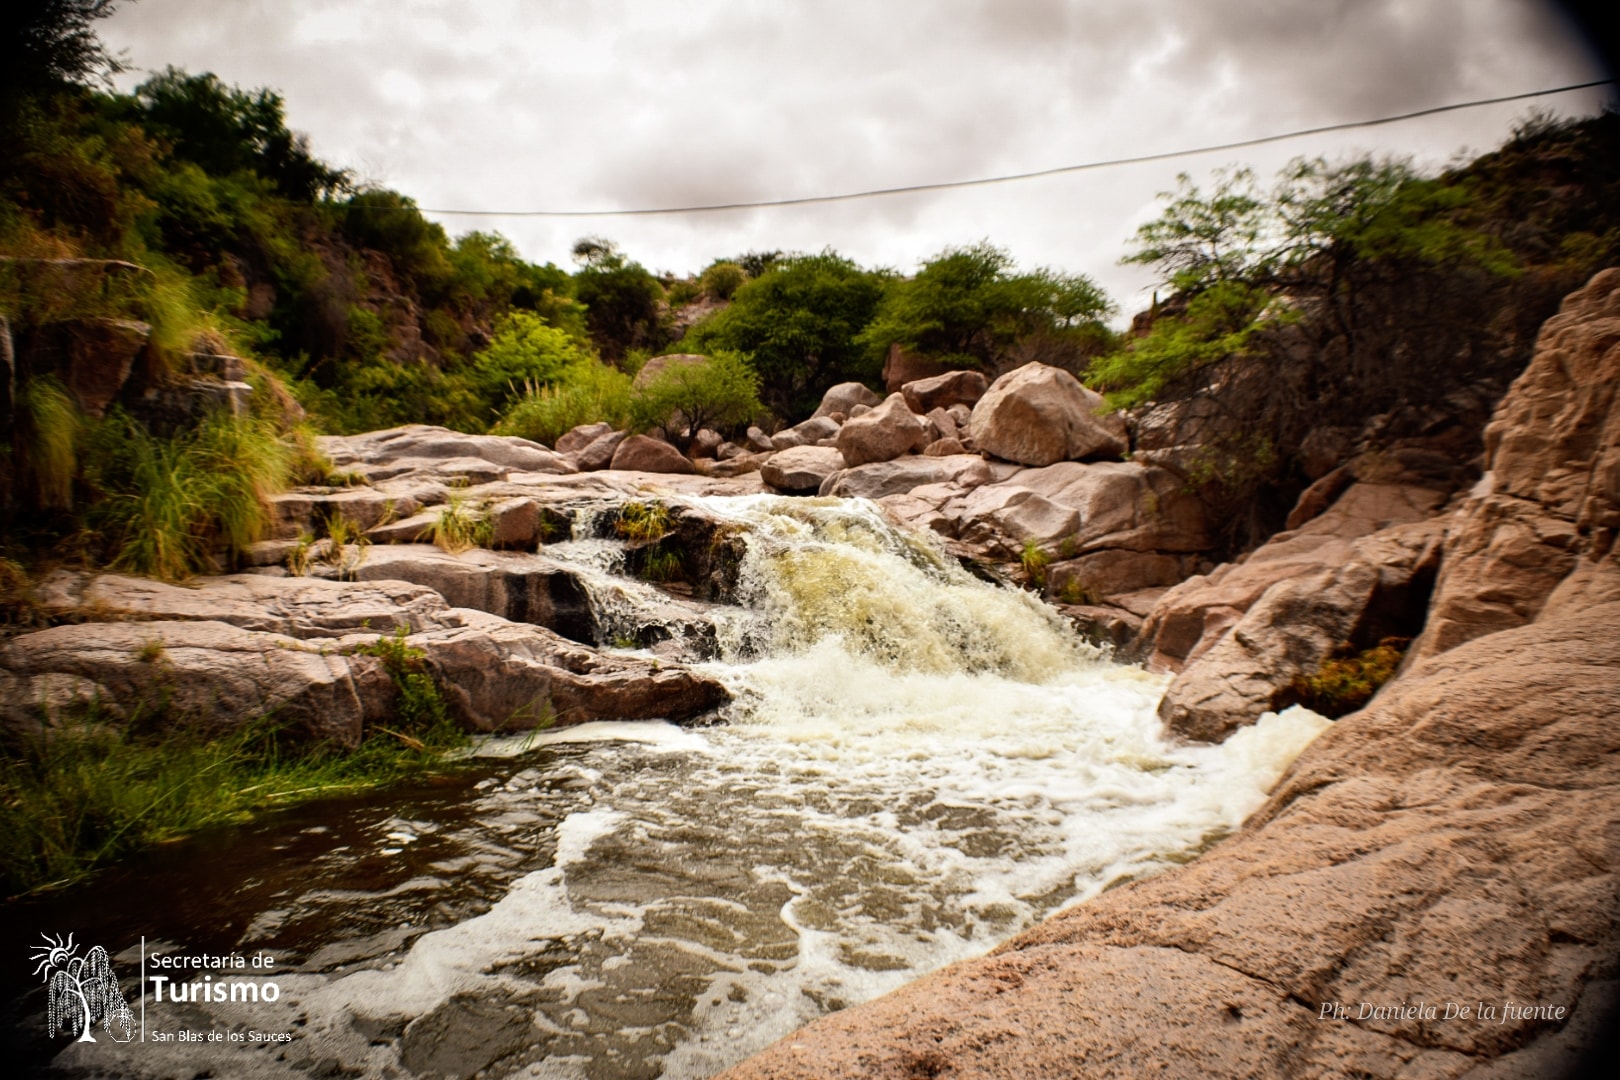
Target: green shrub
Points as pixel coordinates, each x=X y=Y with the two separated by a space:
x=525 y=351
x=722 y=392
x=643 y=523
x=1035 y=560
x=587 y=393
x=722 y=279
x=1347 y=680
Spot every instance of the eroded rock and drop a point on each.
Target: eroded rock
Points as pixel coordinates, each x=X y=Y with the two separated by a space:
x=1038 y=415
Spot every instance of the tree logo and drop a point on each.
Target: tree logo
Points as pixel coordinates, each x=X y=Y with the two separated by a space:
x=82 y=990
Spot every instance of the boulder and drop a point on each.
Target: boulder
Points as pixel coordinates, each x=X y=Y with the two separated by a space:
x=941 y=424
x=801 y=469
x=504 y=676
x=1038 y=415
x=1380 y=589
x=1191 y=617
x=642 y=453
x=1455 y=841
x=845 y=396
x=211 y=672
x=1122 y=504
x=944 y=448
x=888 y=431
x=578 y=438
x=884 y=478
x=707 y=443
x=598 y=453
x=942 y=391
x=1111 y=572
x=807 y=433
x=757 y=441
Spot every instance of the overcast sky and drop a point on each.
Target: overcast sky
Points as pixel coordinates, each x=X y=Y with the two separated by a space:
x=565 y=105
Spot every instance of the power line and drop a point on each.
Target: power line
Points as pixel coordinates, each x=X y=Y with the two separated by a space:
x=947 y=185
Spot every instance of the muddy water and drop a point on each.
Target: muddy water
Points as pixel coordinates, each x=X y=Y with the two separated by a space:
x=917 y=765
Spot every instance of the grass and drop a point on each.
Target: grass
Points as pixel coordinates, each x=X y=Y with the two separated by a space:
x=165 y=505
x=89 y=793
x=643 y=523
x=457 y=529
x=661 y=564
x=1035 y=559
x=46 y=436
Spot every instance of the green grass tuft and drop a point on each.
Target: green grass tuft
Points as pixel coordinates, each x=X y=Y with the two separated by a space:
x=456 y=529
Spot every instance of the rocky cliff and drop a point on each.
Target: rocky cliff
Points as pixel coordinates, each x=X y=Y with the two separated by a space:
x=1453 y=846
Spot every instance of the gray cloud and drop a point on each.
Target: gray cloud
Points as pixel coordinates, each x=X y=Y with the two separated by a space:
x=511 y=104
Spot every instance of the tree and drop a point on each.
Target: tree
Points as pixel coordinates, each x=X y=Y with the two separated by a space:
x=622 y=299
x=797 y=325
x=719 y=392
x=48 y=44
x=967 y=307
x=225 y=130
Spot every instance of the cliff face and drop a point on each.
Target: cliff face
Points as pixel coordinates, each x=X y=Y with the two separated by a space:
x=1454 y=844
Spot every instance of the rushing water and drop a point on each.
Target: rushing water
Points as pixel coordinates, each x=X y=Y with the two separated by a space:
x=917 y=765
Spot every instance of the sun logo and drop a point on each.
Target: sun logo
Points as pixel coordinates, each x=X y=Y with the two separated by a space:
x=82 y=990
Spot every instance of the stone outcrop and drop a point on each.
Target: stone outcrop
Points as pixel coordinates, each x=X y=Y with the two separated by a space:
x=1548 y=509
x=209 y=671
x=808 y=433
x=1038 y=415
x=1420 y=850
x=888 y=431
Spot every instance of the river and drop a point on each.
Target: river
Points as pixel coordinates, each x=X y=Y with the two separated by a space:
x=917 y=765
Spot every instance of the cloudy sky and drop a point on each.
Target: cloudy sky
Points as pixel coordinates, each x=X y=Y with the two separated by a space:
x=563 y=105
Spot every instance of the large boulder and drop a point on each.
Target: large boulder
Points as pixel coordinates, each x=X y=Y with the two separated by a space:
x=888 y=431
x=1038 y=415
x=1193 y=616
x=598 y=453
x=943 y=391
x=1454 y=842
x=845 y=396
x=1548 y=508
x=579 y=437
x=642 y=453
x=1380 y=589
x=504 y=676
x=801 y=469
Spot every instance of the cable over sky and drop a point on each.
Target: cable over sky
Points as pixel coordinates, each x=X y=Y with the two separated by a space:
x=984 y=181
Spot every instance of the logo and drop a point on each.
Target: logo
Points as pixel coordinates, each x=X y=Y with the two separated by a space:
x=82 y=990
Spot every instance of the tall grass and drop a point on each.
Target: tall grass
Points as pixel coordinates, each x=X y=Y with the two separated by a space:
x=46 y=438
x=166 y=504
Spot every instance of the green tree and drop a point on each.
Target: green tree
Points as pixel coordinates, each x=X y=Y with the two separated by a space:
x=720 y=392
x=525 y=351
x=622 y=299
x=44 y=46
x=225 y=130
x=968 y=307
x=798 y=325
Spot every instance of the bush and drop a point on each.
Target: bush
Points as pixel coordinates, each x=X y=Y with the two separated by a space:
x=721 y=392
x=722 y=279
x=1347 y=680
x=526 y=351
x=588 y=393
